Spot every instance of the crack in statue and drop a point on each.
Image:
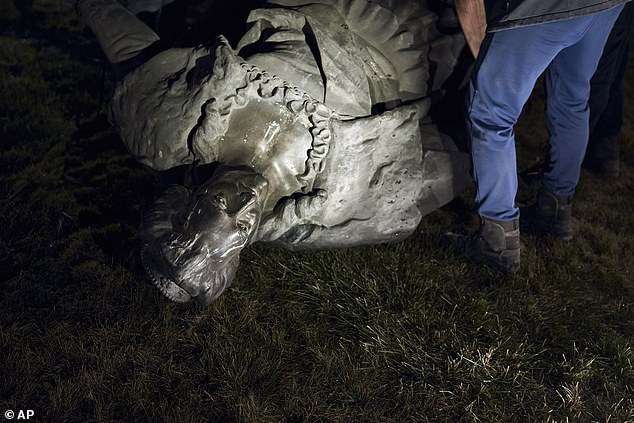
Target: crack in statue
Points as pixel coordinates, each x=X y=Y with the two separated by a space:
x=318 y=120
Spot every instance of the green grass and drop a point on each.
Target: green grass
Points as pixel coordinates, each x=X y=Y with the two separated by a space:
x=407 y=332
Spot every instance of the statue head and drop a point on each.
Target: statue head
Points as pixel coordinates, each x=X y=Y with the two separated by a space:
x=192 y=241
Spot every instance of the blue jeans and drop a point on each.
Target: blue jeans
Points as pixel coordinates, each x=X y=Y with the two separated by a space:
x=509 y=64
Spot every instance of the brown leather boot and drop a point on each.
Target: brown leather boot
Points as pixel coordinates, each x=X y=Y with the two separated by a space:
x=551 y=215
x=496 y=245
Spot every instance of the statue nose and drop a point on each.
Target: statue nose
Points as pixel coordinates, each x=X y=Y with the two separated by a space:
x=179 y=249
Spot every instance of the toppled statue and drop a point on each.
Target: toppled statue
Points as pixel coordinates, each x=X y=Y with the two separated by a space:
x=318 y=120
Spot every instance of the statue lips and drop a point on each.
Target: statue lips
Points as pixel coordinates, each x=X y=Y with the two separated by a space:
x=154 y=265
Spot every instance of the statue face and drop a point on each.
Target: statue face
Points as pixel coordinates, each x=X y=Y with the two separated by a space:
x=201 y=253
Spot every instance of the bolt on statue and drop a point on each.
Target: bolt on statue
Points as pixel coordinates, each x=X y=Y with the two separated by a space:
x=318 y=120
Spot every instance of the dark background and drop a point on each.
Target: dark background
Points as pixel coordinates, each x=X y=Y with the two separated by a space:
x=390 y=333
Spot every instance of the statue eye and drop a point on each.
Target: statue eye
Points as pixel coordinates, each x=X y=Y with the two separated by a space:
x=220 y=202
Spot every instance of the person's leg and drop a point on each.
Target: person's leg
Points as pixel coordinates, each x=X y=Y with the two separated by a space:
x=606 y=85
x=607 y=100
x=611 y=120
x=567 y=85
x=568 y=90
x=506 y=72
x=503 y=80
x=504 y=76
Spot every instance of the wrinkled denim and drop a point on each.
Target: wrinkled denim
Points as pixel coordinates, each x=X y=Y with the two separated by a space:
x=511 y=61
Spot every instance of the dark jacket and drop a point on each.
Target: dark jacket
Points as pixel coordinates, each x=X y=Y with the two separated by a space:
x=506 y=14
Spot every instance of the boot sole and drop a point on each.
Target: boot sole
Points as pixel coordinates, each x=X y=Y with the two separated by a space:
x=459 y=244
x=506 y=262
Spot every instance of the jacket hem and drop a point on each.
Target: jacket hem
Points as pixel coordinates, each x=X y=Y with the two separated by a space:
x=557 y=16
